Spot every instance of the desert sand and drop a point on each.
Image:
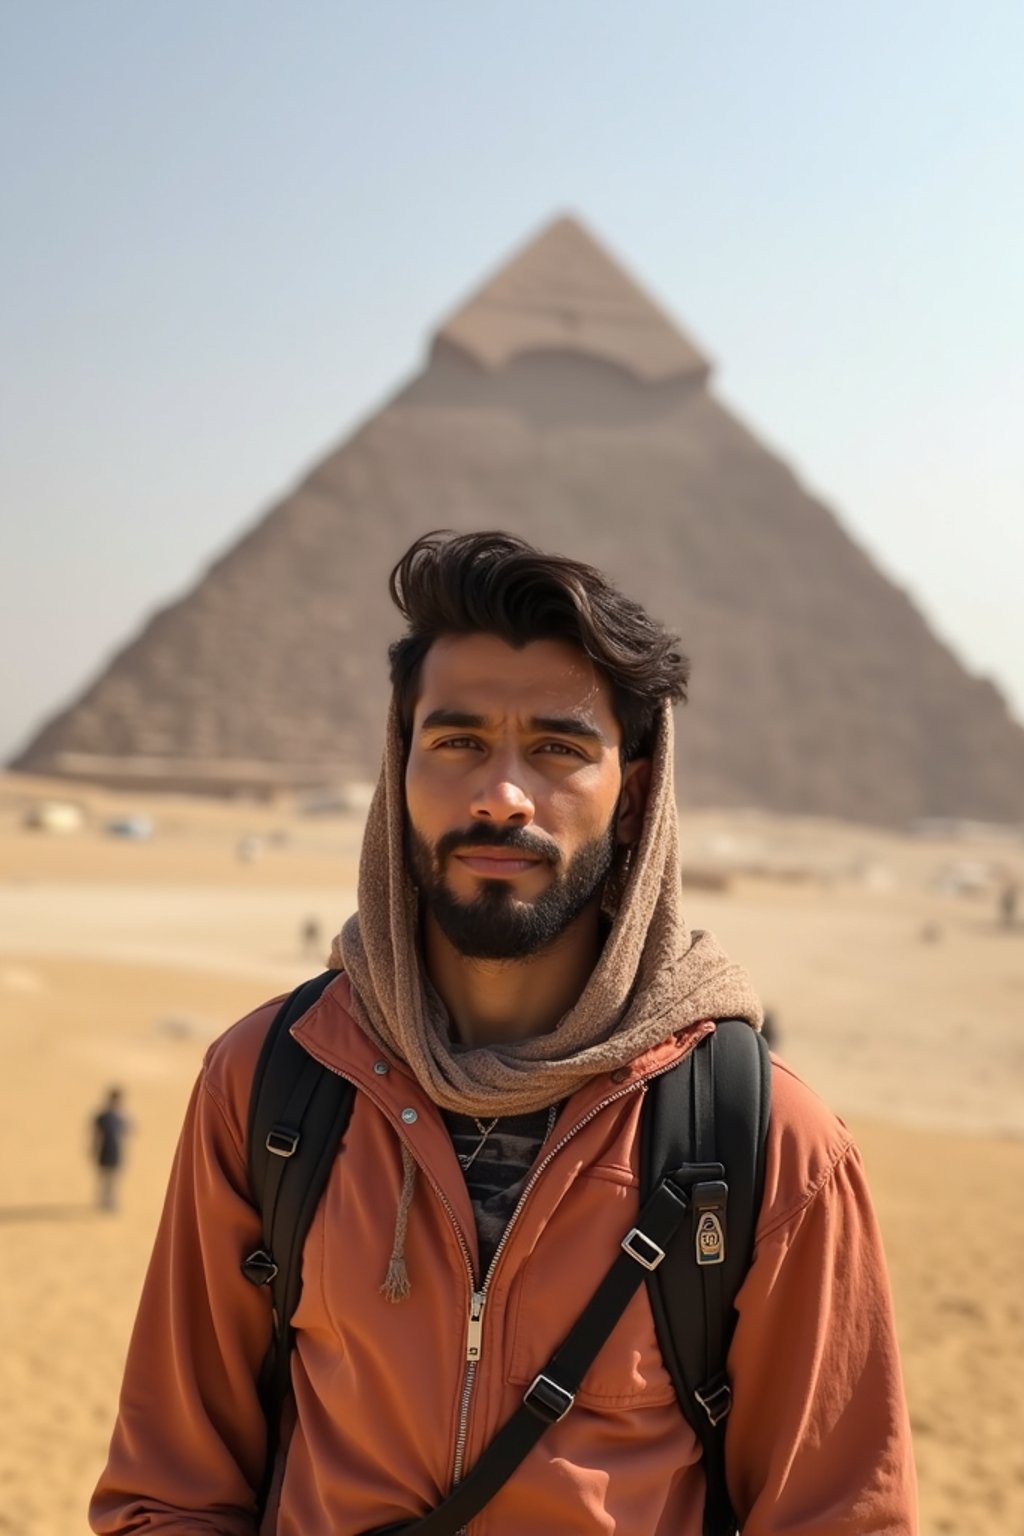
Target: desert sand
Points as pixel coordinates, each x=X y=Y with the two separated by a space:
x=898 y=994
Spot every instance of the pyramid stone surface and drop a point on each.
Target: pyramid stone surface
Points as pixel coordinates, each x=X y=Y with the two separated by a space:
x=565 y=294
x=561 y=404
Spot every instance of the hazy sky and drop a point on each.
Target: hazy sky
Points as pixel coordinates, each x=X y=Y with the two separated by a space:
x=229 y=229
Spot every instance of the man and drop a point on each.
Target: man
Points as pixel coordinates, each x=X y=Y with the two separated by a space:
x=109 y=1128
x=518 y=971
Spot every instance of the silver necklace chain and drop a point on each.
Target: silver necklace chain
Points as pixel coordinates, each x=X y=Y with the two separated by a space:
x=467 y=1159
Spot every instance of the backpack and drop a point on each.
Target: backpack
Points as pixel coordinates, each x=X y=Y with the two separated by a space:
x=704 y=1122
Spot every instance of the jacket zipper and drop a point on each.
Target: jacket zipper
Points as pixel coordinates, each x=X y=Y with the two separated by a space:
x=478 y=1298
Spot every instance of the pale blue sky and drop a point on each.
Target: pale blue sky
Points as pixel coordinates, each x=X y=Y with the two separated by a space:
x=230 y=227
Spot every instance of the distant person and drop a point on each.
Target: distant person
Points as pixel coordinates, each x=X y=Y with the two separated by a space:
x=1009 y=898
x=518 y=975
x=311 y=937
x=109 y=1129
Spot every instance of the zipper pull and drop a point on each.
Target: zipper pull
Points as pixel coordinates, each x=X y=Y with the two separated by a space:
x=476 y=1327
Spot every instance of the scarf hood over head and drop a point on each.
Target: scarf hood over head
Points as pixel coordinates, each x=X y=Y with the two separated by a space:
x=653 y=978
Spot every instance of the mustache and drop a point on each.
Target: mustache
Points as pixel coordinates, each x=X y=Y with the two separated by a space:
x=487 y=836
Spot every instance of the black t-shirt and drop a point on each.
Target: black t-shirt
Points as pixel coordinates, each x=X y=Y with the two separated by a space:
x=499 y=1173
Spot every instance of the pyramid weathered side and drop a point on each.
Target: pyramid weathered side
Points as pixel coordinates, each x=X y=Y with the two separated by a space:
x=817 y=688
x=564 y=292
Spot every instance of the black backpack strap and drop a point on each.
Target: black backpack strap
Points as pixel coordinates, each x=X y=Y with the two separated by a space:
x=298 y=1112
x=552 y=1393
x=706 y=1121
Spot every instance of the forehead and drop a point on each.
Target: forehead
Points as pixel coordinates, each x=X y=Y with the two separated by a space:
x=483 y=675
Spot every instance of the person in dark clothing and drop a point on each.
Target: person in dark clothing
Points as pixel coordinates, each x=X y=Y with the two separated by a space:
x=109 y=1128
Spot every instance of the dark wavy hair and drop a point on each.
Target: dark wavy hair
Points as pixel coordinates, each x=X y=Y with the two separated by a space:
x=497 y=584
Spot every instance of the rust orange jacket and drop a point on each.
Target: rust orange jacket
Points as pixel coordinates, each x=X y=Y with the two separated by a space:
x=387 y=1408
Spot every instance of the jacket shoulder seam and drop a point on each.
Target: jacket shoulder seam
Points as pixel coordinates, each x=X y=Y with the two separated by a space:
x=221 y=1106
x=811 y=1193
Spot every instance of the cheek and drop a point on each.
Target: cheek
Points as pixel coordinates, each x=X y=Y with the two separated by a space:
x=426 y=800
x=582 y=810
x=414 y=797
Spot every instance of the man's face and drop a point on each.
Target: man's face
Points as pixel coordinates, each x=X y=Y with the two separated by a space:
x=515 y=795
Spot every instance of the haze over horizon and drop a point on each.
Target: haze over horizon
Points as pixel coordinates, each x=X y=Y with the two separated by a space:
x=232 y=234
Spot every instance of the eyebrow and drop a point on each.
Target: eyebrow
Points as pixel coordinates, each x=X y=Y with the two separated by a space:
x=558 y=725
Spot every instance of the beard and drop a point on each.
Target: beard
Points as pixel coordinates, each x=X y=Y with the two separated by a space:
x=496 y=924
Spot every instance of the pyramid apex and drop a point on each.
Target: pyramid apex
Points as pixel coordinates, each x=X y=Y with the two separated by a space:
x=563 y=292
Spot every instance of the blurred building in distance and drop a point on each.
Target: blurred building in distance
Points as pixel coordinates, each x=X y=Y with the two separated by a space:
x=559 y=402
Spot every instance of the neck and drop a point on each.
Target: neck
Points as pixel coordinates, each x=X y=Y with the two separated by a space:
x=492 y=1002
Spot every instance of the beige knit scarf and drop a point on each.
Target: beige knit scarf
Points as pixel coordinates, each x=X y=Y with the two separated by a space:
x=654 y=977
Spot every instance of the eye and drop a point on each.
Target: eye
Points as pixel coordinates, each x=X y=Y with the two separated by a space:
x=458 y=743
x=560 y=749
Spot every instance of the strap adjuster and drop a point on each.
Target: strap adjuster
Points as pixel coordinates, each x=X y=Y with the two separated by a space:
x=259 y=1267
x=715 y=1399
x=642 y=1248
x=547 y=1399
x=282 y=1140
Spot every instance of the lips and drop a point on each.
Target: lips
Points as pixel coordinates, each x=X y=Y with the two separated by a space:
x=496 y=861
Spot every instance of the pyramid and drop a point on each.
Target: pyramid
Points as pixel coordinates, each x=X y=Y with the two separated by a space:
x=562 y=404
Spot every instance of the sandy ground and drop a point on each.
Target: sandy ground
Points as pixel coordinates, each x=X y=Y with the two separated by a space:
x=902 y=1002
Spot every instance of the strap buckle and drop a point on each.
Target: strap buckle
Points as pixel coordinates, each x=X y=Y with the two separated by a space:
x=282 y=1140
x=259 y=1267
x=547 y=1399
x=642 y=1248
x=715 y=1398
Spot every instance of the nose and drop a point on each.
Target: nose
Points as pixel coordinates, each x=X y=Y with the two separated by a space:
x=502 y=796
